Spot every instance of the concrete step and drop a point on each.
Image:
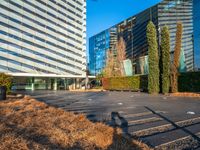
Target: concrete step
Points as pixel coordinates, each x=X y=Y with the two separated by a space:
x=136 y=121
x=173 y=139
x=143 y=121
x=166 y=127
x=89 y=105
x=135 y=128
x=187 y=142
x=141 y=114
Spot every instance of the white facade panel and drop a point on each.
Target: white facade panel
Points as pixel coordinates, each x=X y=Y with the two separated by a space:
x=43 y=37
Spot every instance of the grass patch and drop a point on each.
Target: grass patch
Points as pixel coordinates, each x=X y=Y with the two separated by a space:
x=29 y=124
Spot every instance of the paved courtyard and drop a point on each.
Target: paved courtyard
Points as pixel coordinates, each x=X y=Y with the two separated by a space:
x=161 y=122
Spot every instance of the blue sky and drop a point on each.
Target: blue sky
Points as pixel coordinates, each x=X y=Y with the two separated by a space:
x=102 y=14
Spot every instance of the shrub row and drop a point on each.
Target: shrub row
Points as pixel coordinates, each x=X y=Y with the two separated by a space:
x=133 y=83
x=189 y=82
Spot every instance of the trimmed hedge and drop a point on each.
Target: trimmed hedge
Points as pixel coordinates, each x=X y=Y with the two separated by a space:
x=133 y=83
x=189 y=82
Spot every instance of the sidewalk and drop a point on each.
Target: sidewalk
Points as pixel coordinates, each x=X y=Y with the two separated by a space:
x=88 y=90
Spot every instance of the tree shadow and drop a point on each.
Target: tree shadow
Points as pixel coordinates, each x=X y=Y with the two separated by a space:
x=31 y=136
x=123 y=141
x=123 y=122
x=175 y=125
x=35 y=139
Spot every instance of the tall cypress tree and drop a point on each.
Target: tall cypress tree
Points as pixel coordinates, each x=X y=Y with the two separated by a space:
x=165 y=53
x=177 y=51
x=153 y=77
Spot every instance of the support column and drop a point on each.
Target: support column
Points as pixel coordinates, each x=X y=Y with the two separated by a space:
x=74 y=84
x=78 y=83
x=47 y=83
x=55 y=85
x=65 y=86
x=86 y=79
x=32 y=84
x=86 y=82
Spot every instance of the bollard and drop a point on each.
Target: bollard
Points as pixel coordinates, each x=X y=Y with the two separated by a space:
x=2 y=92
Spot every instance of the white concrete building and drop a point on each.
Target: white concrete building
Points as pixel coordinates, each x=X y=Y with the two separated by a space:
x=41 y=40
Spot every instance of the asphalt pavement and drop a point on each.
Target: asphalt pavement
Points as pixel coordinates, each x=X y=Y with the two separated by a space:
x=160 y=121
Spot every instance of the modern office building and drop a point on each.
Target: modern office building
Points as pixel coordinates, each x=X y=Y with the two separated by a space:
x=133 y=31
x=43 y=43
x=197 y=33
x=98 y=46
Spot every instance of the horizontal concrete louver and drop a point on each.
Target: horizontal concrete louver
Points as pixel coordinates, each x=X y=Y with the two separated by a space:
x=43 y=37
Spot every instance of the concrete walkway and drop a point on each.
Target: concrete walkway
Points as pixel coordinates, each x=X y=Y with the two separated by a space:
x=161 y=122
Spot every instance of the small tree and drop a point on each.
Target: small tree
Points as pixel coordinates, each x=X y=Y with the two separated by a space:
x=6 y=80
x=153 y=77
x=177 y=51
x=121 y=55
x=165 y=53
x=114 y=62
x=108 y=70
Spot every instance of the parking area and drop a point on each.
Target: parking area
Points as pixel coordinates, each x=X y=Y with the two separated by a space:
x=160 y=121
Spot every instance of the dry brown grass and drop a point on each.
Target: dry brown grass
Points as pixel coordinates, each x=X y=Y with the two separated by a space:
x=30 y=124
x=185 y=94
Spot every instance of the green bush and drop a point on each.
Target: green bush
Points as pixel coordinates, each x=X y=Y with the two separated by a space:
x=165 y=56
x=189 y=82
x=6 y=80
x=133 y=83
x=153 y=77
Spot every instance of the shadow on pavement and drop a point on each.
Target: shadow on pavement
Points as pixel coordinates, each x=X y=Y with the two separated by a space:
x=123 y=122
x=174 y=124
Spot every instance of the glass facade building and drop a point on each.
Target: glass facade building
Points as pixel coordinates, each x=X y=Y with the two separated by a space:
x=98 y=47
x=167 y=12
x=101 y=44
x=196 y=33
x=43 y=37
